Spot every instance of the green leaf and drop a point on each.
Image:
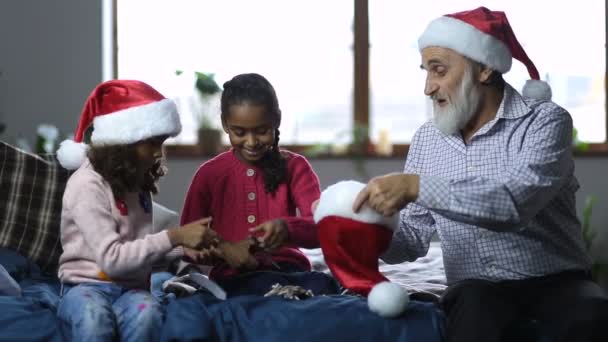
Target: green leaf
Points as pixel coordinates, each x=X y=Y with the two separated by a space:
x=205 y=83
x=588 y=232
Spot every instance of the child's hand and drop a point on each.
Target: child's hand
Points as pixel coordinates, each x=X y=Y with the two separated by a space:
x=197 y=234
x=207 y=256
x=237 y=254
x=275 y=234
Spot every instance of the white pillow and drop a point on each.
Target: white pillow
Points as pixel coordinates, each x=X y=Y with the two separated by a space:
x=164 y=218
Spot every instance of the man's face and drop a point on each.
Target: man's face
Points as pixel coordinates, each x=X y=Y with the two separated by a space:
x=452 y=85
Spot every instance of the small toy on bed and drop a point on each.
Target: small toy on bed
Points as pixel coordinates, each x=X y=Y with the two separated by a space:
x=289 y=292
x=188 y=284
x=352 y=243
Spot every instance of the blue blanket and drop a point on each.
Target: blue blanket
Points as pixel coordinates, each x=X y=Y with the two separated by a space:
x=321 y=318
x=202 y=317
x=30 y=317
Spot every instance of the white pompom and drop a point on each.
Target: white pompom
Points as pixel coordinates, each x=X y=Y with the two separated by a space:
x=536 y=89
x=71 y=154
x=388 y=299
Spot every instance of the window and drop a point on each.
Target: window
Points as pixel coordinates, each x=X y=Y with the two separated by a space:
x=568 y=56
x=309 y=49
x=302 y=47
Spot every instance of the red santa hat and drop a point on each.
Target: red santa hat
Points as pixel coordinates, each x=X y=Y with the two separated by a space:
x=121 y=112
x=353 y=242
x=486 y=37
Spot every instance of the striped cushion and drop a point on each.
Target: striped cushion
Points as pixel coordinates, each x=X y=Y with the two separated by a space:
x=31 y=191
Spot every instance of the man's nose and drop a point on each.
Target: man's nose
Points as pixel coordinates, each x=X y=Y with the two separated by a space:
x=430 y=87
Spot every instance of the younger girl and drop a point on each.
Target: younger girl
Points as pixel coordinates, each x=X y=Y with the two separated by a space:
x=254 y=190
x=106 y=223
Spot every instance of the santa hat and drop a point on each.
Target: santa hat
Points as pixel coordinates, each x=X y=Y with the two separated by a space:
x=486 y=37
x=353 y=242
x=121 y=112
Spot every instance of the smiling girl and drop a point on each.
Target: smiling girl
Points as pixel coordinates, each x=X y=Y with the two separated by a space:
x=253 y=191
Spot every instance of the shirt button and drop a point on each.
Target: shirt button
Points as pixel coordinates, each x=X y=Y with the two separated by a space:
x=251 y=218
x=250 y=172
x=251 y=196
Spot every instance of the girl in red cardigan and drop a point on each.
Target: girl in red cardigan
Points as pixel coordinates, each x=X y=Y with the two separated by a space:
x=253 y=192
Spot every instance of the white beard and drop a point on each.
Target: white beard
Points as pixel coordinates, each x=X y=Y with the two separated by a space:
x=460 y=109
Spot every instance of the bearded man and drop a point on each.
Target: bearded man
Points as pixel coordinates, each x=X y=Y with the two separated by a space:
x=493 y=176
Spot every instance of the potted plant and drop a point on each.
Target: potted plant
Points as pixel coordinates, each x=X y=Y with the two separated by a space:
x=209 y=135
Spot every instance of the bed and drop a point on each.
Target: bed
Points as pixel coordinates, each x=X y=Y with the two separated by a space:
x=30 y=205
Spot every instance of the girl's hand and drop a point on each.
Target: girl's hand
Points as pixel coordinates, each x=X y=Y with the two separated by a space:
x=275 y=234
x=197 y=234
x=206 y=256
x=237 y=254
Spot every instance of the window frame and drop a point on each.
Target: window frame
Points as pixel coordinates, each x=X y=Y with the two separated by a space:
x=361 y=98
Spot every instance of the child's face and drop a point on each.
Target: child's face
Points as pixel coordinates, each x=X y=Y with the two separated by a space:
x=149 y=152
x=251 y=131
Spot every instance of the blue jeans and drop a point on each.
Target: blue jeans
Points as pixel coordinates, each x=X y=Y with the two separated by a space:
x=106 y=312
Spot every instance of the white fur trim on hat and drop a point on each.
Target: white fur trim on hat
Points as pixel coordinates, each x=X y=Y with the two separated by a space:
x=137 y=123
x=338 y=199
x=71 y=154
x=536 y=89
x=467 y=40
x=388 y=299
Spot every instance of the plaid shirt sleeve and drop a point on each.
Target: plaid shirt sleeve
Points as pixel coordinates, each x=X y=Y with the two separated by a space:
x=416 y=225
x=509 y=203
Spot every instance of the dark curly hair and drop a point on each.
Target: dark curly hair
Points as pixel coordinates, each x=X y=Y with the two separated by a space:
x=117 y=164
x=256 y=90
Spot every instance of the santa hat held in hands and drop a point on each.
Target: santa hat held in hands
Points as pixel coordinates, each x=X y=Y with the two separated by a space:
x=121 y=112
x=353 y=242
x=486 y=37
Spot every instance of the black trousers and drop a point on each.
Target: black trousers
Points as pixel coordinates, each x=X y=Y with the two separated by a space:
x=566 y=306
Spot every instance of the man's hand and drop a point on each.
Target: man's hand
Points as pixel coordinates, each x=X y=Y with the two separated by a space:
x=237 y=254
x=389 y=193
x=275 y=234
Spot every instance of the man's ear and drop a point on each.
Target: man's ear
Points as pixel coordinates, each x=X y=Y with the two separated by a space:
x=485 y=74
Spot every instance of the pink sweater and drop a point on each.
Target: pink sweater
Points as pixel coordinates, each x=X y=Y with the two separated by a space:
x=99 y=243
x=232 y=192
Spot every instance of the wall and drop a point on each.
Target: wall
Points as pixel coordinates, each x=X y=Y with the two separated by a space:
x=51 y=58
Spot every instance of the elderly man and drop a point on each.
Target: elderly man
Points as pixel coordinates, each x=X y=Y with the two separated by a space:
x=492 y=175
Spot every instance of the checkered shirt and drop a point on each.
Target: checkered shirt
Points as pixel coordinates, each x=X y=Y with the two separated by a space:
x=503 y=205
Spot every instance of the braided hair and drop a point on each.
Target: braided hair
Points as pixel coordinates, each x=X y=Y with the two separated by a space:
x=256 y=90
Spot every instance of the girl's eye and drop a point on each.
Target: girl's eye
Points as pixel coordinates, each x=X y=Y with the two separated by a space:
x=263 y=130
x=238 y=132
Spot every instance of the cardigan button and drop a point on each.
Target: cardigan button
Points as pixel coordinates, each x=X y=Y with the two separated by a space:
x=250 y=172
x=251 y=218
x=251 y=196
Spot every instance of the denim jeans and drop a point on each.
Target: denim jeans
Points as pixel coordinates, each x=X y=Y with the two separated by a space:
x=106 y=312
